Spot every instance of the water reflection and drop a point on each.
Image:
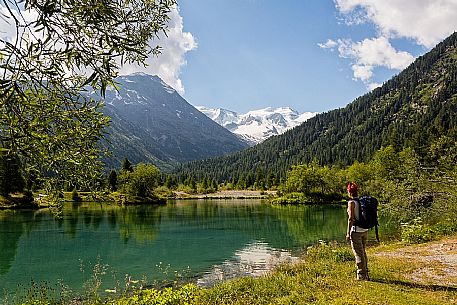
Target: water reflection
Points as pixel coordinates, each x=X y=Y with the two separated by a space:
x=254 y=260
x=13 y=224
x=309 y=224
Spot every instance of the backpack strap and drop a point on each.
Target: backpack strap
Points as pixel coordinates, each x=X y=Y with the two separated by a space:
x=359 y=212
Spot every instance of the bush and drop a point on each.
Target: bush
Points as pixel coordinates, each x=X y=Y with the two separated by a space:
x=447 y=227
x=164 y=192
x=185 y=189
x=75 y=196
x=141 y=182
x=415 y=232
x=291 y=198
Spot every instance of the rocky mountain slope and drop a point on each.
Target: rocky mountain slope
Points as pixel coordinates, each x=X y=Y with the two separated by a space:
x=151 y=122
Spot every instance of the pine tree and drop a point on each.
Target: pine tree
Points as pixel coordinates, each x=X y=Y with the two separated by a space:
x=205 y=184
x=192 y=184
x=112 y=180
x=126 y=165
x=214 y=185
x=171 y=182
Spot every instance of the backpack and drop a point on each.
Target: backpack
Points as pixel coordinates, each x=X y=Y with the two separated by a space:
x=368 y=214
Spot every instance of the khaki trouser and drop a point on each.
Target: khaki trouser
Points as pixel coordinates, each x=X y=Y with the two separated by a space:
x=358 y=244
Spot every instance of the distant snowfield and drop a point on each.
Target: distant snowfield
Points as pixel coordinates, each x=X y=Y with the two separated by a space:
x=257 y=125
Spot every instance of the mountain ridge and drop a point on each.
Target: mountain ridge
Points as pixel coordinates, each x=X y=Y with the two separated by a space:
x=151 y=122
x=412 y=109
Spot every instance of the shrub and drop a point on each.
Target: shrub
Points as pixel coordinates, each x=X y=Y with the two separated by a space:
x=75 y=195
x=141 y=182
x=291 y=198
x=415 y=232
x=164 y=192
x=447 y=227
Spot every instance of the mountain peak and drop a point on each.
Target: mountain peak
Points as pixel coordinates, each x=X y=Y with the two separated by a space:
x=256 y=126
x=150 y=122
x=144 y=77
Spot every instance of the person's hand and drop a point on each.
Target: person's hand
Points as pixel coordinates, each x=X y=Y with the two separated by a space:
x=348 y=237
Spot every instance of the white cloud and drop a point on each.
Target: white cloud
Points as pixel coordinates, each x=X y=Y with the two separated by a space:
x=174 y=47
x=425 y=21
x=7 y=28
x=362 y=72
x=373 y=85
x=167 y=65
x=371 y=53
x=8 y=25
x=329 y=44
x=375 y=52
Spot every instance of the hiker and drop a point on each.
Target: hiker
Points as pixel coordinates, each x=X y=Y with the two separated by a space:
x=357 y=235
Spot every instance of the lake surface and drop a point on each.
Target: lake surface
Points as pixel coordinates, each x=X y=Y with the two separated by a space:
x=207 y=241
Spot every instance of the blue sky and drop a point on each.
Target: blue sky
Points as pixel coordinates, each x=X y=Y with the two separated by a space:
x=311 y=55
x=253 y=54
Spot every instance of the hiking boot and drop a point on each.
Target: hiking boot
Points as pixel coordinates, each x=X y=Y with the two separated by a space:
x=363 y=277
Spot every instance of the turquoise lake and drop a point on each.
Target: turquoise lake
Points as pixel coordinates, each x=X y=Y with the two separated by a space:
x=204 y=240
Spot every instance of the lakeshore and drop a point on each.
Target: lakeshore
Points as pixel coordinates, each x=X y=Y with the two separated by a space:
x=227 y=194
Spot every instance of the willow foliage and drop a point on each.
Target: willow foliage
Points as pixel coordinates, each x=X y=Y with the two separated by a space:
x=60 y=49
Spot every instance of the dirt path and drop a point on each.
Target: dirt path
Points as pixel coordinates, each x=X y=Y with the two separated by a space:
x=436 y=262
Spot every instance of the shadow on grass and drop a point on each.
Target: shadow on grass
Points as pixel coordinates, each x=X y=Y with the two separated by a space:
x=414 y=285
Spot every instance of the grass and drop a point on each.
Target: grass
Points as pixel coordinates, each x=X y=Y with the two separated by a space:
x=326 y=276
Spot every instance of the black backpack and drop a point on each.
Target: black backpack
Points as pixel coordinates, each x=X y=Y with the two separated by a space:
x=368 y=214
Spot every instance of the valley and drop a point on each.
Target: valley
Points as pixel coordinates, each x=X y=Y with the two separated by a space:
x=115 y=184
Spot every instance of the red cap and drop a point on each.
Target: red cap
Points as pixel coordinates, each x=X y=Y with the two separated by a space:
x=352 y=187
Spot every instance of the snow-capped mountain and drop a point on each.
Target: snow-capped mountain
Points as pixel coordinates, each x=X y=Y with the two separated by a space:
x=257 y=125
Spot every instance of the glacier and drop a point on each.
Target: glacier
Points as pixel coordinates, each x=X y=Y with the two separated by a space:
x=258 y=125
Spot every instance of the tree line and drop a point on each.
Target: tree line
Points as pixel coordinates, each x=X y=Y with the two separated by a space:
x=409 y=186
